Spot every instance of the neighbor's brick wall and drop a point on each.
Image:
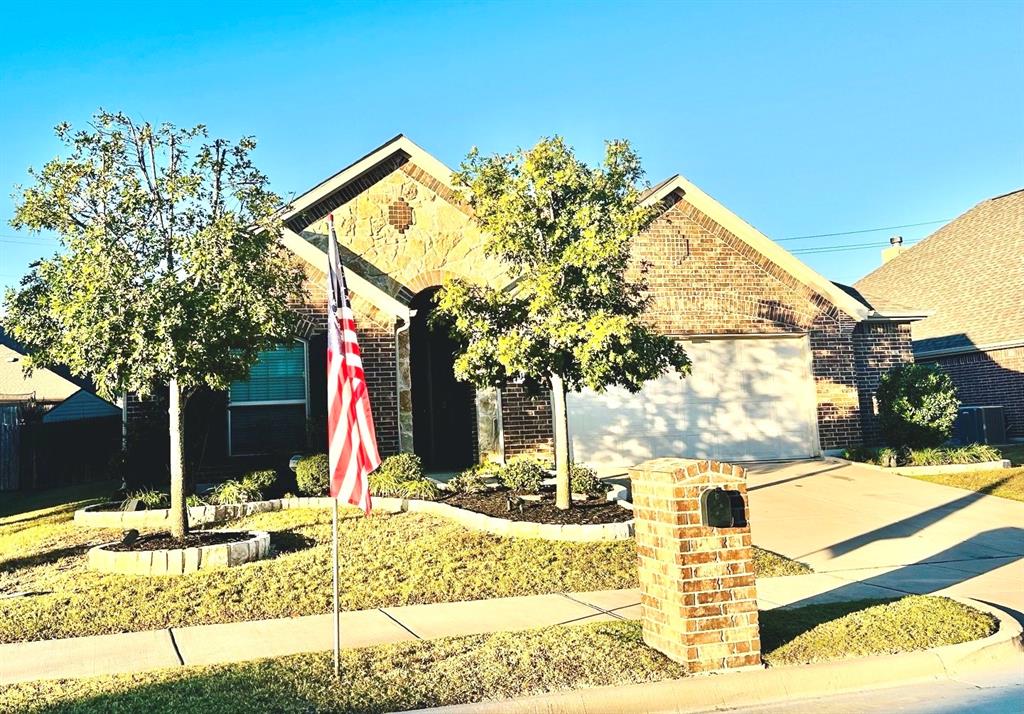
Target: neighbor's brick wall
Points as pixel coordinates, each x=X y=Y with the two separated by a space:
x=989 y=378
x=526 y=423
x=698 y=594
x=878 y=347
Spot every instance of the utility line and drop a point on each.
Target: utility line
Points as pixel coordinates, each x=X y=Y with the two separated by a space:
x=864 y=230
x=841 y=248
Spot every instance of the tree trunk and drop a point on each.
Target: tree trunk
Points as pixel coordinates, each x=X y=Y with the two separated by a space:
x=179 y=514
x=563 y=497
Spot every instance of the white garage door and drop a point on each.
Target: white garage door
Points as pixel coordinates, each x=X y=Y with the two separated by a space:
x=747 y=399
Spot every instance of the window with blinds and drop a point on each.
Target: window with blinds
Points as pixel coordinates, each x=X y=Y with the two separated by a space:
x=267 y=411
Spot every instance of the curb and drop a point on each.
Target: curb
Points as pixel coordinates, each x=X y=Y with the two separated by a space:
x=773 y=685
x=936 y=470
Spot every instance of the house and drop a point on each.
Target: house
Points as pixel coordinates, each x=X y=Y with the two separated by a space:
x=970 y=275
x=785 y=361
x=67 y=410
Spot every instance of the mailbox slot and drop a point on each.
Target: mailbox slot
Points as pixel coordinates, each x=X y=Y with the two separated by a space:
x=722 y=508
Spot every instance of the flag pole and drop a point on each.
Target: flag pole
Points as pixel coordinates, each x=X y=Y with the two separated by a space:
x=337 y=613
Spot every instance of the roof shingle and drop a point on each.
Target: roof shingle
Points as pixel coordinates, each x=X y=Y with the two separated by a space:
x=970 y=273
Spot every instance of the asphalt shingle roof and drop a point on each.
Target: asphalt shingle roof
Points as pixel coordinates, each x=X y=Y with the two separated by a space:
x=970 y=273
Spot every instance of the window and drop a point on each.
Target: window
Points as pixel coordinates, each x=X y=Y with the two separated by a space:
x=267 y=412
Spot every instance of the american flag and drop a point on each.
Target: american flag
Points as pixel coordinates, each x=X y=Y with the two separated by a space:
x=352 y=443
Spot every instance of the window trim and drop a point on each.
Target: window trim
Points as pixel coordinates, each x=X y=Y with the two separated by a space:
x=271 y=403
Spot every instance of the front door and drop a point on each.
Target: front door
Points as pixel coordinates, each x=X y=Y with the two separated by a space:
x=443 y=408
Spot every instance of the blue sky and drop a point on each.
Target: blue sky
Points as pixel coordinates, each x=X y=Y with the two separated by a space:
x=802 y=118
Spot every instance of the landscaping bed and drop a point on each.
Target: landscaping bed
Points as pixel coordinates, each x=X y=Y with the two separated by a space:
x=495 y=503
x=164 y=541
x=399 y=559
x=498 y=666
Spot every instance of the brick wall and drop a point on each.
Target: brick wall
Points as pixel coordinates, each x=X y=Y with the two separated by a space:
x=989 y=378
x=878 y=347
x=526 y=423
x=704 y=280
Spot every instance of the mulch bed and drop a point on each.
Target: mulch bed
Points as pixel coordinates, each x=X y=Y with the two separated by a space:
x=495 y=503
x=164 y=541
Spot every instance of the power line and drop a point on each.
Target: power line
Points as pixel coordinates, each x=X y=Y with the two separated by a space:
x=864 y=230
x=841 y=248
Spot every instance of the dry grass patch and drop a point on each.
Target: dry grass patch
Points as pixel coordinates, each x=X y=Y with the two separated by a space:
x=1004 y=483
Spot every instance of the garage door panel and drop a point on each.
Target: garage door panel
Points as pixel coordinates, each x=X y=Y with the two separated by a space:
x=746 y=399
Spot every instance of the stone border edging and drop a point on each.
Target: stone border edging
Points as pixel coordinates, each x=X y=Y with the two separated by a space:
x=206 y=515
x=179 y=561
x=776 y=684
x=929 y=470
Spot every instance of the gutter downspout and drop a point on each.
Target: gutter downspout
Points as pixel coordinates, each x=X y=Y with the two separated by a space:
x=398 y=375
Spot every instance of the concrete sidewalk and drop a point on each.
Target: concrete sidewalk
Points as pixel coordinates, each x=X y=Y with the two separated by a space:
x=240 y=641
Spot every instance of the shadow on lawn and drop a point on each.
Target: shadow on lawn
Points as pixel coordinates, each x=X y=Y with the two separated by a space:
x=47 y=558
x=290 y=542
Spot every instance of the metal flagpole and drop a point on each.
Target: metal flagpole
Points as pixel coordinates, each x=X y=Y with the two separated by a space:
x=337 y=615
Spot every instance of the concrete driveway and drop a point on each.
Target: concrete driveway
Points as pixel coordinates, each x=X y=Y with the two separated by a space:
x=871 y=534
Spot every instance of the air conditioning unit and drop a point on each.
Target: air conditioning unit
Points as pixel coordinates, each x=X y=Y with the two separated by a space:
x=980 y=425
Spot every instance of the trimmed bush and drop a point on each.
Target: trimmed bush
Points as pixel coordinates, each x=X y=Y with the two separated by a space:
x=584 y=480
x=523 y=475
x=401 y=476
x=311 y=475
x=917 y=405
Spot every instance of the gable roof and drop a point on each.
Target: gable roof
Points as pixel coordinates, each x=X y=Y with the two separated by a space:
x=764 y=245
x=328 y=194
x=969 y=273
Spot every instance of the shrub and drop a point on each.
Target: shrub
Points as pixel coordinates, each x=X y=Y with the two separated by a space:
x=232 y=491
x=311 y=475
x=422 y=488
x=917 y=405
x=888 y=457
x=393 y=472
x=150 y=498
x=259 y=481
x=473 y=479
x=970 y=454
x=523 y=475
x=863 y=454
x=584 y=480
x=192 y=500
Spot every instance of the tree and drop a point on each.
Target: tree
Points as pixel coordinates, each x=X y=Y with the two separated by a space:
x=917 y=405
x=572 y=316
x=171 y=272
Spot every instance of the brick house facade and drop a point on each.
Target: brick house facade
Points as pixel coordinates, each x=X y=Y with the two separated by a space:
x=402 y=232
x=969 y=276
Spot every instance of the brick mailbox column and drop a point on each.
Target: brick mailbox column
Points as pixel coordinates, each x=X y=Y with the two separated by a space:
x=698 y=598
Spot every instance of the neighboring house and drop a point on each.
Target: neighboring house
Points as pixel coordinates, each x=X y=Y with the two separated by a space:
x=83 y=418
x=969 y=275
x=63 y=396
x=785 y=362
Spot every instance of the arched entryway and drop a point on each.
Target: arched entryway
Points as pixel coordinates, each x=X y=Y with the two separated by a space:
x=443 y=408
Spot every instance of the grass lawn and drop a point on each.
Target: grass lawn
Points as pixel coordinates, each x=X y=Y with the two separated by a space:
x=391 y=560
x=467 y=669
x=1005 y=483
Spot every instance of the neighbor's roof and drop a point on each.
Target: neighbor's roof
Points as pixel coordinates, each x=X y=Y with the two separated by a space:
x=969 y=274
x=46 y=384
